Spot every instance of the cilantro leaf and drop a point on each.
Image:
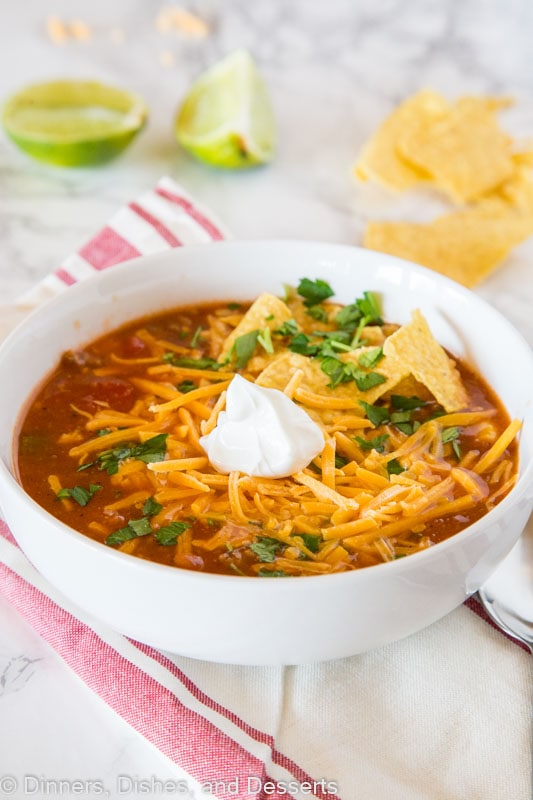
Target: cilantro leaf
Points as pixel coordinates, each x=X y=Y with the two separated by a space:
x=134 y=529
x=289 y=328
x=272 y=573
x=340 y=461
x=452 y=435
x=314 y=292
x=264 y=338
x=311 y=540
x=192 y=363
x=402 y=403
x=394 y=467
x=153 y=449
x=301 y=343
x=369 y=306
x=335 y=369
x=244 y=347
x=79 y=493
x=348 y=317
x=370 y=358
x=400 y=416
x=318 y=313
x=151 y=507
x=366 y=380
x=186 y=386
x=377 y=443
x=363 y=311
x=168 y=534
x=376 y=414
x=265 y=548
x=196 y=336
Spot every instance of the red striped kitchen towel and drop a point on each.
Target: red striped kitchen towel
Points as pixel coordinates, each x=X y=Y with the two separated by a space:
x=406 y=722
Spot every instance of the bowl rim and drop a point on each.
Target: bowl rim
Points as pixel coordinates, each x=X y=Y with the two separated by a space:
x=398 y=566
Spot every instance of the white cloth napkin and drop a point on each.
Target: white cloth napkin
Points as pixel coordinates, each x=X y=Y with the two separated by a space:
x=442 y=715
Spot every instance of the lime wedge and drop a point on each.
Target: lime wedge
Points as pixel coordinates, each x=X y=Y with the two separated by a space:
x=226 y=120
x=73 y=123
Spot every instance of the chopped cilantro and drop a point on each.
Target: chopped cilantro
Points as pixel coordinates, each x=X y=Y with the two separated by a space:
x=377 y=443
x=134 y=529
x=340 y=462
x=79 y=493
x=140 y=526
x=370 y=358
x=265 y=340
x=103 y=431
x=265 y=548
x=400 y=416
x=408 y=427
x=369 y=307
x=363 y=311
x=289 y=328
x=186 y=386
x=451 y=435
x=271 y=573
x=244 y=347
x=196 y=336
x=348 y=317
x=336 y=370
x=234 y=306
x=168 y=534
x=402 y=403
x=314 y=292
x=311 y=540
x=153 y=449
x=151 y=507
x=394 y=467
x=300 y=343
x=318 y=313
x=193 y=363
x=366 y=380
x=376 y=414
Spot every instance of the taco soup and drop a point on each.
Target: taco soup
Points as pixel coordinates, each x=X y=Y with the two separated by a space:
x=281 y=437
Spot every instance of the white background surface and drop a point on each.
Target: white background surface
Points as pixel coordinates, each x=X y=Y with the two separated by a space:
x=333 y=69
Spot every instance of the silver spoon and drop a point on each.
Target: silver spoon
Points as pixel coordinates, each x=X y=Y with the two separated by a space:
x=508 y=594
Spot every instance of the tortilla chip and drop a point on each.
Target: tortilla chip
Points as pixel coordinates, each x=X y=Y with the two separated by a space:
x=464 y=150
x=268 y=311
x=415 y=347
x=466 y=246
x=380 y=160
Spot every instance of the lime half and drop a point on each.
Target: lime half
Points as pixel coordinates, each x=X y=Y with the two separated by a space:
x=73 y=123
x=226 y=120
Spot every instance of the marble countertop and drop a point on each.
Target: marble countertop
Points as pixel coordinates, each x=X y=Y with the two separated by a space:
x=334 y=69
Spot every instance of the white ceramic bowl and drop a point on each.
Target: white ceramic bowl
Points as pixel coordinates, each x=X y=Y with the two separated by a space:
x=247 y=620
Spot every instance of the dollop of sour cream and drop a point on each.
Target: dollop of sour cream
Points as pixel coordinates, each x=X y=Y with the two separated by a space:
x=262 y=433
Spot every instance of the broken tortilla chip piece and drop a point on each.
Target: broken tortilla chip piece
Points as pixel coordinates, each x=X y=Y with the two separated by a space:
x=380 y=160
x=463 y=150
x=415 y=347
x=268 y=311
x=465 y=246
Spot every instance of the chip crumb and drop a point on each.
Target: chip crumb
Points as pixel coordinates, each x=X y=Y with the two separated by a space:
x=56 y=30
x=80 y=30
x=167 y=58
x=180 y=20
x=60 y=31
